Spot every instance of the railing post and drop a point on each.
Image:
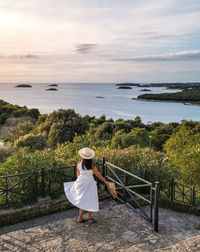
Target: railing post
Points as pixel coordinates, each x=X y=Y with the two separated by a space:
x=156 y=212
x=125 y=184
x=146 y=177
x=103 y=167
x=151 y=206
x=193 y=196
x=172 y=190
x=6 y=191
x=35 y=185
x=42 y=181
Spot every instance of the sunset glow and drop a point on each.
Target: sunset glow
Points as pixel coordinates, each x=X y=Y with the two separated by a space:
x=99 y=41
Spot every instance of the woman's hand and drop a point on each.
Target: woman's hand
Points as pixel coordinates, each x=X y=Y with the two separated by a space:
x=108 y=185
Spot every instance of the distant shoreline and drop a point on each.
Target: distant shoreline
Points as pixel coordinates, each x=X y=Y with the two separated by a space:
x=171 y=101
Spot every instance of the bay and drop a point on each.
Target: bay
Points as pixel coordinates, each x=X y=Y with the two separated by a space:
x=116 y=103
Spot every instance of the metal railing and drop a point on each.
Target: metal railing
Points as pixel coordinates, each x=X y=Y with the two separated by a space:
x=19 y=189
x=134 y=191
x=175 y=191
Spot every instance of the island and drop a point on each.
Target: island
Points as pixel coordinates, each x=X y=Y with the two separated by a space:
x=129 y=84
x=124 y=87
x=145 y=89
x=23 y=86
x=188 y=96
x=100 y=97
x=53 y=85
x=168 y=85
x=51 y=89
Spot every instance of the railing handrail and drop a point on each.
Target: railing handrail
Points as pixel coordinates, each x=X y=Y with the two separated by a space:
x=128 y=173
x=17 y=174
x=34 y=172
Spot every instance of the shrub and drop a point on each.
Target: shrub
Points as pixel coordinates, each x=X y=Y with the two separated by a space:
x=5 y=152
x=34 y=142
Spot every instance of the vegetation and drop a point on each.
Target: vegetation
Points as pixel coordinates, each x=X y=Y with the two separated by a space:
x=8 y=110
x=191 y=95
x=183 y=149
x=34 y=141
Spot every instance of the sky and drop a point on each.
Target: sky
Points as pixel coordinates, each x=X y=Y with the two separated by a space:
x=66 y=41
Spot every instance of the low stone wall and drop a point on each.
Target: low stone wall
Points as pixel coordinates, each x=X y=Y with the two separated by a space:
x=44 y=206
x=178 y=206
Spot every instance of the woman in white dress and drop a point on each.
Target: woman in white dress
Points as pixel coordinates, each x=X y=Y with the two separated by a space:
x=82 y=192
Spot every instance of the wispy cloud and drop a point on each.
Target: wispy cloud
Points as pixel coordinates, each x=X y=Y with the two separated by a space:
x=22 y=56
x=180 y=56
x=85 y=48
x=27 y=56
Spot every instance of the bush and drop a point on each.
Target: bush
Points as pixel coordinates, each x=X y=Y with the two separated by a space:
x=15 y=127
x=34 y=142
x=24 y=161
x=135 y=159
x=5 y=152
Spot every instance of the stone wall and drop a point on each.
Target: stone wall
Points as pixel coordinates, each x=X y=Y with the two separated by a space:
x=44 y=206
x=178 y=206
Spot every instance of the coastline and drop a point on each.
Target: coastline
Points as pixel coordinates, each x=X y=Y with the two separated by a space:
x=170 y=101
x=115 y=104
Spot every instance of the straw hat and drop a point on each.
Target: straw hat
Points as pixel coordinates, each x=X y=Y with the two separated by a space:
x=86 y=153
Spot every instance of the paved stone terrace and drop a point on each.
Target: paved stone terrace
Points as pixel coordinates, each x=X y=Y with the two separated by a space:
x=118 y=229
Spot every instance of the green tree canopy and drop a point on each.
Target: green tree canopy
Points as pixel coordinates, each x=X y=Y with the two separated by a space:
x=34 y=142
x=183 y=149
x=62 y=125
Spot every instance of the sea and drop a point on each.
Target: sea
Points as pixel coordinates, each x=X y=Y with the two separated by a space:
x=97 y=99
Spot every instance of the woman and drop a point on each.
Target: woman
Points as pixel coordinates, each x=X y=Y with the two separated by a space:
x=82 y=193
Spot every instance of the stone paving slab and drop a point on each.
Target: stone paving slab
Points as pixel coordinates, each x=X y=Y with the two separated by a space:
x=118 y=229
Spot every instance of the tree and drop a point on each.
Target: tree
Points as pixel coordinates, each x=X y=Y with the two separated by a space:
x=137 y=136
x=62 y=125
x=104 y=131
x=161 y=133
x=182 y=149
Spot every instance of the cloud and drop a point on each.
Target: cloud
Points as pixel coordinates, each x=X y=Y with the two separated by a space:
x=86 y=48
x=22 y=56
x=27 y=56
x=180 y=56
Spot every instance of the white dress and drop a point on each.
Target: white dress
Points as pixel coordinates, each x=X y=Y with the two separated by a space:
x=82 y=192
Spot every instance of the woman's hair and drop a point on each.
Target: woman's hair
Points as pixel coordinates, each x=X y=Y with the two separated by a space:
x=87 y=163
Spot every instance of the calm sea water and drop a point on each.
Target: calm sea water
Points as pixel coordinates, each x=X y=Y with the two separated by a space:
x=117 y=103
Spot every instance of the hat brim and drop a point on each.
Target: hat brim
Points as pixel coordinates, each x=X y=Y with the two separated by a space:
x=80 y=152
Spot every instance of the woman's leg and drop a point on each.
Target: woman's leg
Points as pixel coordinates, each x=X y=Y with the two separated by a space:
x=89 y=216
x=80 y=217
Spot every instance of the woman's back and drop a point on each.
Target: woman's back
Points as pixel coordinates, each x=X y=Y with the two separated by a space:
x=84 y=172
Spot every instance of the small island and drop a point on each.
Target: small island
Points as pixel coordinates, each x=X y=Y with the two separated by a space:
x=124 y=87
x=128 y=84
x=188 y=96
x=53 y=85
x=100 y=97
x=145 y=89
x=51 y=89
x=23 y=86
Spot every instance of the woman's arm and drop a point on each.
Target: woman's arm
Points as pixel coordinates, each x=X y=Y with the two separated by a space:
x=98 y=174
x=77 y=170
